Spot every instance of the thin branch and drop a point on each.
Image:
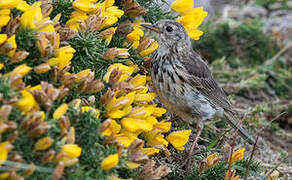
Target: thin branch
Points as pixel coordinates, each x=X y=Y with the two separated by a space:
x=230 y=156
x=251 y=156
x=275 y=118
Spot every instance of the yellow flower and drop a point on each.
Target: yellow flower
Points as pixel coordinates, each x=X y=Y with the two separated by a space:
x=126 y=71
x=88 y=108
x=4 y=175
x=232 y=175
x=84 y=5
x=75 y=18
x=138 y=81
x=119 y=107
x=32 y=18
x=147 y=97
x=134 y=37
x=64 y=56
x=12 y=45
x=125 y=138
x=71 y=150
x=150 y=151
x=159 y=112
x=5 y=147
x=110 y=12
x=20 y=70
x=116 y=52
x=110 y=162
x=108 y=34
x=136 y=125
x=182 y=6
x=113 y=129
x=237 y=155
x=1 y=66
x=192 y=20
x=212 y=160
x=179 y=138
x=209 y=162
x=22 y=6
x=82 y=74
x=154 y=138
x=3 y=37
x=119 y=113
x=60 y=111
x=131 y=165
x=8 y=4
x=42 y=68
x=150 y=49
x=43 y=143
x=141 y=112
x=27 y=102
x=4 y=17
x=163 y=126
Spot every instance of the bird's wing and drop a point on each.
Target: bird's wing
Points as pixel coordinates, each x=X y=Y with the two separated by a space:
x=201 y=78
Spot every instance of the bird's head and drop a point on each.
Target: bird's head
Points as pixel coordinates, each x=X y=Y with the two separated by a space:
x=170 y=33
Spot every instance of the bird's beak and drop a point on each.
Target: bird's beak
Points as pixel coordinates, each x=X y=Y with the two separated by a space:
x=151 y=27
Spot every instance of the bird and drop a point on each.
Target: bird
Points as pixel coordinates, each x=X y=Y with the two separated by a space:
x=184 y=83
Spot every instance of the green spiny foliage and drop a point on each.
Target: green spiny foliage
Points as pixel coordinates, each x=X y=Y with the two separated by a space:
x=90 y=139
x=89 y=51
x=155 y=12
x=64 y=7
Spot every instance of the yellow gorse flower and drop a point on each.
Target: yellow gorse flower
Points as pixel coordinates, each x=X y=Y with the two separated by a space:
x=3 y=38
x=110 y=161
x=126 y=71
x=60 y=111
x=113 y=129
x=179 y=138
x=83 y=8
x=21 y=70
x=63 y=57
x=237 y=155
x=191 y=18
x=231 y=176
x=133 y=37
x=88 y=108
x=43 y=143
x=27 y=102
x=4 y=17
x=182 y=6
x=5 y=147
x=71 y=150
x=32 y=18
x=10 y=4
x=107 y=34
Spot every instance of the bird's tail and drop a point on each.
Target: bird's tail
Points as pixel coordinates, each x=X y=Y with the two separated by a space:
x=233 y=121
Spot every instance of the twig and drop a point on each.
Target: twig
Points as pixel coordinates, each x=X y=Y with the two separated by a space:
x=278 y=54
x=251 y=156
x=230 y=156
x=275 y=118
x=270 y=172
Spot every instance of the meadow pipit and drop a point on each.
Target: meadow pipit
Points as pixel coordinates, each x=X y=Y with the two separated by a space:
x=184 y=83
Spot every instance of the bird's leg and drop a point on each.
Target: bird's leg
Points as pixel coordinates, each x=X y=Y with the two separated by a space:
x=190 y=153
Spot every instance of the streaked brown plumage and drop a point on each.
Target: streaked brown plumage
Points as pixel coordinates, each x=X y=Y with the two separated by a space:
x=183 y=81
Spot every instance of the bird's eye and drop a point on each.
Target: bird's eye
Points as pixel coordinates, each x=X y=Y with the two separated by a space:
x=169 y=29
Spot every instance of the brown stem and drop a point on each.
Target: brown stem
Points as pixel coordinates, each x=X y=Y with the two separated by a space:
x=251 y=156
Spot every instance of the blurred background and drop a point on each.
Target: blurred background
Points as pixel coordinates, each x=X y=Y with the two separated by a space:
x=248 y=45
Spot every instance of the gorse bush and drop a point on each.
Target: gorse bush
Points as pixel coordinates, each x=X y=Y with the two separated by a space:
x=74 y=91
